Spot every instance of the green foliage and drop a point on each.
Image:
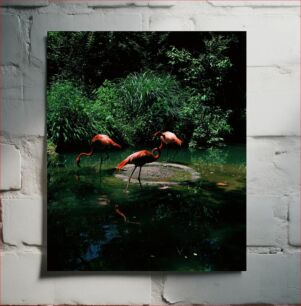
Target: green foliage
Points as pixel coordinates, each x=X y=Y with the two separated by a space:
x=135 y=107
x=69 y=117
x=89 y=58
x=129 y=85
x=131 y=110
x=203 y=125
x=205 y=71
x=139 y=105
x=52 y=156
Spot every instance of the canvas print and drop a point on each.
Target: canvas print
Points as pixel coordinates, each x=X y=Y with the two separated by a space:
x=146 y=151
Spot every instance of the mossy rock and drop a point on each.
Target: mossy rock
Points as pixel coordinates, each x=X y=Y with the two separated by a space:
x=160 y=174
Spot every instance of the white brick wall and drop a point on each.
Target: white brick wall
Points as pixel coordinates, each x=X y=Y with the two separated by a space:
x=24 y=3
x=25 y=283
x=10 y=170
x=21 y=214
x=14 y=47
x=270 y=278
x=273 y=33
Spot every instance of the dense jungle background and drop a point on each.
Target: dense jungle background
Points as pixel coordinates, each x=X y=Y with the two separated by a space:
x=130 y=84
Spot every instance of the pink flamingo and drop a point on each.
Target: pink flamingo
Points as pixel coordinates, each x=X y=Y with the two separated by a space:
x=103 y=142
x=139 y=159
x=169 y=139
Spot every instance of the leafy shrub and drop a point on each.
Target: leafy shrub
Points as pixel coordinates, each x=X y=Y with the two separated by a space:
x=210 y=64
x=204 y=125
x=52 y=156
x=205 y=71
x=69 y=116
x=139 y=105
x=131 y=110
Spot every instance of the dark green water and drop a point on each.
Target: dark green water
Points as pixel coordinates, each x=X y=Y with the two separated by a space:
x=196 y=226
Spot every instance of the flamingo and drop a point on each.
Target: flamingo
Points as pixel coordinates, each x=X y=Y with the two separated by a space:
x=169 y=138
x=139 y=159
x=103 y=142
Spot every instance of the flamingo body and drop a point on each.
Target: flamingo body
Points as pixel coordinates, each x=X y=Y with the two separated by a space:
x=139 y=159
x=100 y=141
x=169 y=138
x=105 y=142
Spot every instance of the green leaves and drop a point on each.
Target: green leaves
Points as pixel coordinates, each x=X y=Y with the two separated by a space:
x=131 y=110
x=69 y=120
x=203 y=125
x=206 y=70
x=139 y=105
x=126 y=84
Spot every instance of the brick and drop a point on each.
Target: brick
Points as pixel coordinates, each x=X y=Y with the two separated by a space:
x=33 y=166
x=161 y=3
x=115 y=4
x=122 y=4
x=268 y=279
x=170 y=23
x=34 y=112
x=286 y=159
x=10 y=170
x=122 y=22
x=21 y=280
x=261 y=223
x=273 y=165
x=23 y=283
x=13 y=46
x=23 y=102
x=250 y=3
x=24 y=3
x=273 y=38
x=22 y=221
x=294 y=220
x=12 y=95
x=11 y=85
x=276 y=89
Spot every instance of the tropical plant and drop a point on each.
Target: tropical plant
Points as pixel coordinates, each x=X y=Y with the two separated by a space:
x=69 y=117
x=203 y=125
x=139 y=105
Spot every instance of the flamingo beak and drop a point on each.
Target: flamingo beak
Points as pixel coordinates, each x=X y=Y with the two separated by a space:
x=78 y=162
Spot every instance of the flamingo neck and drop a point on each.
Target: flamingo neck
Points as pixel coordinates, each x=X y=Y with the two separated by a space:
x=161 y=146
x=158 y=149
x=85 y=154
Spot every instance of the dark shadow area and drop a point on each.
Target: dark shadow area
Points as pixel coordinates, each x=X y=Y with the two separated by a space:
x=93 y=225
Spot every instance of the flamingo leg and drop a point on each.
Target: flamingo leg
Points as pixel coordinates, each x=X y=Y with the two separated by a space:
x=100 y=164
x=167 y=150
x=127 y=186
x=107 y=156
x=139 y=176
x=175 y=153
x=77 y=176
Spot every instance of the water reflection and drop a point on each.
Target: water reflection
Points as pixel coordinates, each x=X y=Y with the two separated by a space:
x=95 y=249
x=200 y=226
